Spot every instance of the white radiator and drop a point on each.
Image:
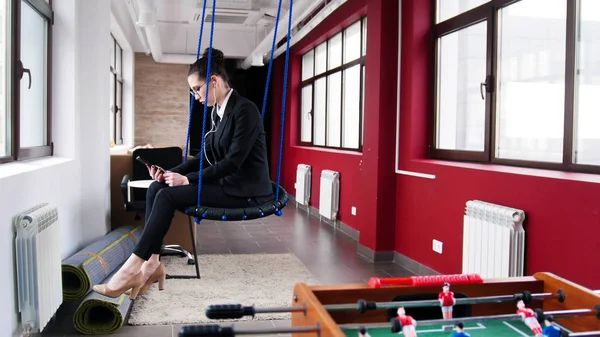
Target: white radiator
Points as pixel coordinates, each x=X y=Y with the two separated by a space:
x=38 y=259
x=493 y=240
x=303 y=184
x=329 y=197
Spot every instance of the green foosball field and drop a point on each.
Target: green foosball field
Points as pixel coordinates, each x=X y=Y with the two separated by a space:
x=489 y=329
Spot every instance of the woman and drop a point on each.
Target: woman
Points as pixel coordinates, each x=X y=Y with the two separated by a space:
x=235 y=174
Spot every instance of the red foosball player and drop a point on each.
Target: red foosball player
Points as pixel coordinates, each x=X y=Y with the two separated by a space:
x=529 y=318
x=407 y=322
x=362 y=332
x=447 y=301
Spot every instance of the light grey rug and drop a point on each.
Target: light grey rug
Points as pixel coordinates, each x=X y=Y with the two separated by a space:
x=263 y=280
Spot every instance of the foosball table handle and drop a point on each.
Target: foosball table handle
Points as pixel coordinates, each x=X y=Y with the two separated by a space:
x=229 y=311
x=424 y=281
x=206 y=331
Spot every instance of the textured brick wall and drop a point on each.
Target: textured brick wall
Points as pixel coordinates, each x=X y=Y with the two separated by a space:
x=161 y=102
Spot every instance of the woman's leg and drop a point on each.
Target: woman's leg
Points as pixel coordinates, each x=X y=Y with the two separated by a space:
x=166 y=201
x=151 y=196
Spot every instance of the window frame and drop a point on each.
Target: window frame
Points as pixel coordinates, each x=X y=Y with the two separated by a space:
x=117 y=107
x=44 y=8
x=361 y=60
x=490 y=11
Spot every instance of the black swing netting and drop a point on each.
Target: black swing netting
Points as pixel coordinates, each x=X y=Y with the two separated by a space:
x=247 y=213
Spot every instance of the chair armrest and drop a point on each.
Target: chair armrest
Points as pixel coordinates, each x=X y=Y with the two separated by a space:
x=124 y=184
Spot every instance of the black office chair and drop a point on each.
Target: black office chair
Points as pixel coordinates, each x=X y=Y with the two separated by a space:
x=167 y=157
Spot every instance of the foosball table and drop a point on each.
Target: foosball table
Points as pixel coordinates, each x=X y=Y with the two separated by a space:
x=542 y=305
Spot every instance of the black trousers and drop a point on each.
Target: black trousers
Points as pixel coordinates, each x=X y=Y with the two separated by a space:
x=162 y=201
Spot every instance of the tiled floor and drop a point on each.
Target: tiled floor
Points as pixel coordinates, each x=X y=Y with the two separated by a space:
x=330 y=255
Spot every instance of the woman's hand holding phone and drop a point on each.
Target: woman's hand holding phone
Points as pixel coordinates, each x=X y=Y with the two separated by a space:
x=156 y=173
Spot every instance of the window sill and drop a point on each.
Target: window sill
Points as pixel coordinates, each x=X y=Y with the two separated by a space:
x=524 y=171
x=328 y=150
x=20 y=167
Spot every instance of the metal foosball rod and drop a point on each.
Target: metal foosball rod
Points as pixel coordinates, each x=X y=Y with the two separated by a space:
x=527 y=297
x=231 y=311
x=215 y=330
x=396 y=326
x=584 y=334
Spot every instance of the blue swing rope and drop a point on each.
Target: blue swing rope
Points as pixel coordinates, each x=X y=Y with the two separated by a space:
x=271 y=60
x=285 y=79
x=207 y=83
x=278 y=211
x=193 y=99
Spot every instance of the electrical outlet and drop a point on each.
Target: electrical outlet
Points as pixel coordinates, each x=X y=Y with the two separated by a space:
x=353 y=210
x=437 y=246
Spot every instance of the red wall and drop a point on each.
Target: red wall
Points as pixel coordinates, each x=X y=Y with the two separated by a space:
x=563 y=212
x=367 y=175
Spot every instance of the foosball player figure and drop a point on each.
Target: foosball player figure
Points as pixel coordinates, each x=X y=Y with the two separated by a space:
x=404 y=323
x=362 y=332
x=447 y=301
x=529 y=318
x=460 y=330
x=551 y=330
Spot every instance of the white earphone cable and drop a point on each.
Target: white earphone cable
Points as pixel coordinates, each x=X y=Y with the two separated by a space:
x=213 y=127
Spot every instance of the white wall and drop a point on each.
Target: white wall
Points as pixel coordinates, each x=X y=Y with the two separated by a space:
x=77 y=179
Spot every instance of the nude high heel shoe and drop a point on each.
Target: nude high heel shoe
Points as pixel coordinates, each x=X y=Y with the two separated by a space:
x=132 y=286
x=160 y=275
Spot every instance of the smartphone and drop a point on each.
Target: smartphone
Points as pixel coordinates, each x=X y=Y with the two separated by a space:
x=145 y=162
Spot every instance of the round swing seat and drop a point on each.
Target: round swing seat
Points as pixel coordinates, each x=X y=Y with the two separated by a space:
x=247 y=213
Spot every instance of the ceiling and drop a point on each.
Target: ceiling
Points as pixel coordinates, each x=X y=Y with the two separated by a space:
x=169 y=29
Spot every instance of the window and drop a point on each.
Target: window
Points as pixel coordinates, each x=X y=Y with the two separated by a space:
x=116 y=93
x=332 y=90
x=518 y=83
x=25 y=116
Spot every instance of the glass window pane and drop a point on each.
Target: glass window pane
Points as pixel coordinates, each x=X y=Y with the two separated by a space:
x=450 y=8
x=33 y=100
x=308 y=67
x=306 y=121
x=351 y=107
x=319 y=111
x=352 y=42
x=460 y=108
x=531 y=83
x=334 y=109
x=334 y=52
x=362 y=108
x=112 y=52
x=587 y=95
x=4 y=79
x=119 y=104
x=119 y=65
x=321 y=58
x=364 y=37
x=112 y=108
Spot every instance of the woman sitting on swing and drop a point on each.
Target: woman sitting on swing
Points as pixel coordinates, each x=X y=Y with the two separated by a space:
x=235 y=175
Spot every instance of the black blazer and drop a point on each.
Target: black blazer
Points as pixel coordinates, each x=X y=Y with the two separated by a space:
x=237 y=151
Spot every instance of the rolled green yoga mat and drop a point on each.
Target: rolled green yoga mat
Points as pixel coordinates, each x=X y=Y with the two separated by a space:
x=101 y=315
x=94 y=263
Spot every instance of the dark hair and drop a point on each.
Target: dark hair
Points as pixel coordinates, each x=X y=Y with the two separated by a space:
x=460 y=325
x=217 y=65
x=550 y=319
x=362 y=330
